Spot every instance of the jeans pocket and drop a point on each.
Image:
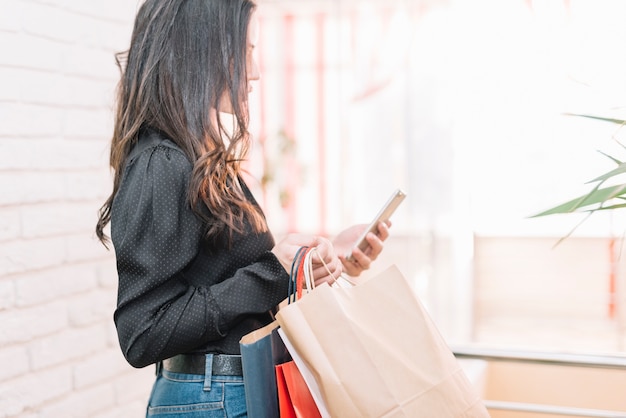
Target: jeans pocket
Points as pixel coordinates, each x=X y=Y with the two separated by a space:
x=182 y=395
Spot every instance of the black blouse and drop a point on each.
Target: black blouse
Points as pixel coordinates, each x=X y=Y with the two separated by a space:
x=179 y=293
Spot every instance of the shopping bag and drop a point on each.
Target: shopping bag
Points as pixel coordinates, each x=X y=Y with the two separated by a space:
x=258 y=372
x=307 y=377
x=261 y=351
x=285 y=407
x=268 y=387
x=375 y=352
x=294 y=396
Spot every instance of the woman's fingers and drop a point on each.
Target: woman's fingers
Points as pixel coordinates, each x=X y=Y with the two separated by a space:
x=326 y=266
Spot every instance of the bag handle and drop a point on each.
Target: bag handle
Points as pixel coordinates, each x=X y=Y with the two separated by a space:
x=294 y=291
x=308 y=269
x=337 y=281
x=301 y=274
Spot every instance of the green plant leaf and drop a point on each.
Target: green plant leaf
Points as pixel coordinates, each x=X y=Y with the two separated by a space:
x=612 y=207
x=621 y=169
x=596 y=197
x=612 y=120
x=615 y=160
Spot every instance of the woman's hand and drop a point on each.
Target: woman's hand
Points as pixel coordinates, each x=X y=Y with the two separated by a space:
x=325 y=263
x=361 y=260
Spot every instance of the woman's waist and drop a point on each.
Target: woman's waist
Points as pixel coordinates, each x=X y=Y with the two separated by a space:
x=204 y=364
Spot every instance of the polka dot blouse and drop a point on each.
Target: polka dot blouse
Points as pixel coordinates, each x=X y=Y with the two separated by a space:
x=178 y=294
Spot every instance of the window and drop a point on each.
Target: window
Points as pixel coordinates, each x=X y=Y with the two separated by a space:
x=462 y=104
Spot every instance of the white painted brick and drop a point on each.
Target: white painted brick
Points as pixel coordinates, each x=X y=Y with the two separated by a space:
x=12 y=258
x=58 y=3
x=9 y=222
x=14 y=362
x=23 y=325
x=84 y=403
x=10 y=18
x=11 y=84
x=24 y=255
x=84 y=247
x=101 y=367
x=133 y=409
x=103 y=24
x=49 y=88
x=9 y=408
x=7 y=294
x=50 y=22
x=28 y=392
x=98 y=33
x=16 y=153
x=82 y=154
x=27 y=414
x=70 y=344
x=135 y=384
x=56 y=119
x=112 y=339
x=105 y=35
x=44 y=252
x=42 y=87
x=57 y=218
x=11 y=261
x=119 y=37
x=87 y=93
x=91 y=62
x=22 y=119
x=107 y=273
x=53 y=284
x=31 y=187
x=103 y=150
x=96 y=306
x=93 y=186
x=96 y=123
x=52 y=154
x=115 y=10
x=27 y=51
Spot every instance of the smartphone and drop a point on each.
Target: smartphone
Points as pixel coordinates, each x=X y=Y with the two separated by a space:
x=383 y=215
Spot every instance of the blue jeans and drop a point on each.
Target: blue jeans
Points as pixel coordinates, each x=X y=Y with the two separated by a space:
x=178 y=395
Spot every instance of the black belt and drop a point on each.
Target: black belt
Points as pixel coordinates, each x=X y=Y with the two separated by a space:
x=223 y=364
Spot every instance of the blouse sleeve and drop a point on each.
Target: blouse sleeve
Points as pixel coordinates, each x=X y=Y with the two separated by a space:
x=156 y=236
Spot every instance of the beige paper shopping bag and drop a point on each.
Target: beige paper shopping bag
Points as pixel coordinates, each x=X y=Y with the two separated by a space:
x=375 y=352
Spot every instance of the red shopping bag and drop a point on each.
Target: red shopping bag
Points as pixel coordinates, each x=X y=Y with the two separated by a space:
x=294 y=396
x=285 y=405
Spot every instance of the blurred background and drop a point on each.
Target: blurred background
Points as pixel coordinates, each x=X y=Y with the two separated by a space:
x=463 y=105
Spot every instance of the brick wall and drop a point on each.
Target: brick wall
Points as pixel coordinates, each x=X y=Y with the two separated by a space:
x=59 y=355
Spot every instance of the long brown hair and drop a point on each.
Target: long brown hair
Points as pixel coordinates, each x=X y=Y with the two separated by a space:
x=183 y=56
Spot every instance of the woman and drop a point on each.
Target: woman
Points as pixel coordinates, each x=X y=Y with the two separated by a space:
x=197 y=266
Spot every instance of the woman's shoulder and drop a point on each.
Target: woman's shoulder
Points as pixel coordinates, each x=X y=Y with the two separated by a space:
x=153 y=145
